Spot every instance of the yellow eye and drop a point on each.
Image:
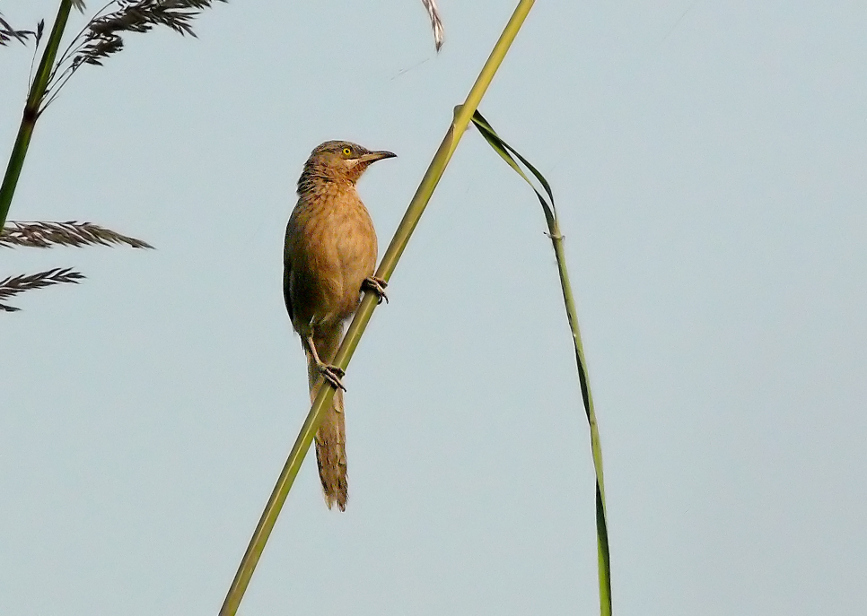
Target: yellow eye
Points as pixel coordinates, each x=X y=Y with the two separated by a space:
x=347 y=152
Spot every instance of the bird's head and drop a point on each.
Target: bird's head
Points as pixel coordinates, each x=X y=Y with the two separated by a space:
x=340 y=161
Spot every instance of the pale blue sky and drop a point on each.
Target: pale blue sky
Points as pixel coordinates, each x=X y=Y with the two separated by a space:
x=708 y=160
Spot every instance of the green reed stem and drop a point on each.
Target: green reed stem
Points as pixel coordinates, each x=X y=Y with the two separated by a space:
x=31 y=111
x=462 y=116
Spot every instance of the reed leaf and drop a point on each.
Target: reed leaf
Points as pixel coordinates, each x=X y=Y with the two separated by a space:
x=461 y=119
x=547 y=201
x=13 y=285
x=47 y=234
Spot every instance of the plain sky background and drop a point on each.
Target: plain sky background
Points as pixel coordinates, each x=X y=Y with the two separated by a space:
x=709 y=164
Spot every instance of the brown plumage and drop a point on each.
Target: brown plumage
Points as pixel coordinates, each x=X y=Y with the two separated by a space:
x=329 y=255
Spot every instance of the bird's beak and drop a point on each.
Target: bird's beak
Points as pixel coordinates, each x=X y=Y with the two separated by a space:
x=372 y=157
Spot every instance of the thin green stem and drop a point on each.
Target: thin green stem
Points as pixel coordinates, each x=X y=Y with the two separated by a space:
x=595 y=444
x=462 y=116
x=31 y=111
x=506 y=152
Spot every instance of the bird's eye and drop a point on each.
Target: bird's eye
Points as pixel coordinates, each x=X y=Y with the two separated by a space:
x=347 y=152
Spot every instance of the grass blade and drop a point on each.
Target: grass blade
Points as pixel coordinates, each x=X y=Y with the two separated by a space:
x=506 y=151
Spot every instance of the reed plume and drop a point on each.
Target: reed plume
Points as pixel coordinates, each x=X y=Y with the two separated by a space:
x=13 y=285
x=35 y=234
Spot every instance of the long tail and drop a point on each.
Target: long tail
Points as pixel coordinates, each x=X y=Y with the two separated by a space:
x=331 y=436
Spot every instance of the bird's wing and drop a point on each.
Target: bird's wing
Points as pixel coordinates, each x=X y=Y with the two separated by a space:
x=287 y=282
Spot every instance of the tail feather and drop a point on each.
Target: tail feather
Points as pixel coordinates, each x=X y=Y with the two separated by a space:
x=331 y=436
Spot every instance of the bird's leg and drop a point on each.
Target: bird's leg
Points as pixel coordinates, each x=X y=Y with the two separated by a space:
x=330 y=373
x=377 y=286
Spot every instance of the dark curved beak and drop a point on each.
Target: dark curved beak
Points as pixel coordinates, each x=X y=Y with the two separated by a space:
x=372 y=157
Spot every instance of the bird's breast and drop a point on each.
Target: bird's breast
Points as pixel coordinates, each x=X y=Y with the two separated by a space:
x=333 y=248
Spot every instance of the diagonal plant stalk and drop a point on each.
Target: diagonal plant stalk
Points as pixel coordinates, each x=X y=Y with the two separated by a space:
x=31 y=111
x=504 y=149
x=462 y=116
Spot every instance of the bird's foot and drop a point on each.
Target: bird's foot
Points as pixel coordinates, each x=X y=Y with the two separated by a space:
x=377 y=286
x=333 y=374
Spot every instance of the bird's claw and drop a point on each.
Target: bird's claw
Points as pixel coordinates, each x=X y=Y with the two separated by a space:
x=377 y=286
x=333 y=374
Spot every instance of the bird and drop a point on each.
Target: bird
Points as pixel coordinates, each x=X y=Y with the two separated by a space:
x=329 y=257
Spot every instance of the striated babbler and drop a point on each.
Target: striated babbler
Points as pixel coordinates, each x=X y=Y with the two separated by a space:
x=329 y=256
